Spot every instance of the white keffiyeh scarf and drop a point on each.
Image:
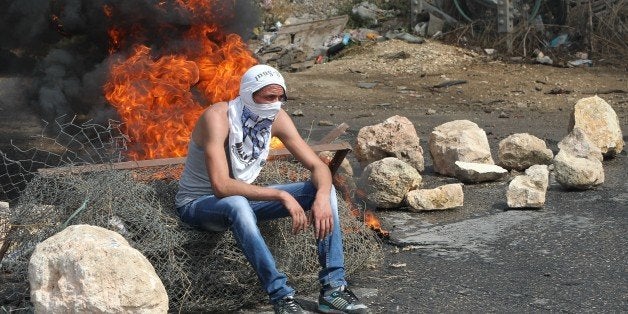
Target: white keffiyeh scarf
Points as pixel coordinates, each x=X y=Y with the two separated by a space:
x=250 y=123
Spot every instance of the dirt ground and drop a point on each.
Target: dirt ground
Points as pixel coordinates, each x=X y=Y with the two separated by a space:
x=524 y=96
x=502 y=97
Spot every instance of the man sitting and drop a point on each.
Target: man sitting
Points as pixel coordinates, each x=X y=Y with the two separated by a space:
x=228 y=148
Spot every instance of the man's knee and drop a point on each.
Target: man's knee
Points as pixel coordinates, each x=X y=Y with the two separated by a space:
x=239 y=210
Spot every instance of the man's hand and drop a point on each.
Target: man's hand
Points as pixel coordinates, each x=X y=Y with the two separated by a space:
x=299 y=219
x=322 y=216
x=285 y=130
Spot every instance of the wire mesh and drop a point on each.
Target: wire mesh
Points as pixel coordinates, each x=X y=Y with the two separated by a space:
x=201 y=271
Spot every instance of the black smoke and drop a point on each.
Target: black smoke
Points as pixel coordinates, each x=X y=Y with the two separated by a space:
x=63 y=45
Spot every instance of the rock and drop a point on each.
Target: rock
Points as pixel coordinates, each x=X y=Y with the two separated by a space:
x=89 y=269
x=459 y=140
x=470 y=172
x=366 y=85
x=542 y=58
x=573 y=172
x=578 y=164
x=395 y=137
x=528 y=191
x=430 y=112
x=443 y=197
x=409 y=38
x=388 y=180
x=599 y=121
x=522 y=150
x=297 y=113
x=578 y=144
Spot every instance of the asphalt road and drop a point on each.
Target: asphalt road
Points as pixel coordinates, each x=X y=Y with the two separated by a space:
x=569 y=256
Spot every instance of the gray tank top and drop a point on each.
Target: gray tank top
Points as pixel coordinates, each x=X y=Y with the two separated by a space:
x=194 y=181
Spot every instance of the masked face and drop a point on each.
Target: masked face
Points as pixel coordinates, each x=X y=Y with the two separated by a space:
x=267 y=101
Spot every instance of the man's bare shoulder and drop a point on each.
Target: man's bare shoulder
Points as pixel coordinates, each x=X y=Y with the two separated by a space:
x=283 y=123
x=213 y=121
x=216 y=110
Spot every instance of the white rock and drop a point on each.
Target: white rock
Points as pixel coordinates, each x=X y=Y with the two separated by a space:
x=470 y=172
x=573 y=172
x=522 y=150
x=388 y=180
x=443 y=197
x=528 y=191
x=89 y=269
x=600 y=122
x=459 y=140
x=578 y=144
x=395 y=137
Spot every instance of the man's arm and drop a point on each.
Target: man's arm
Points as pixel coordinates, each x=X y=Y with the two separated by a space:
x=213 y=131
x=284 y=129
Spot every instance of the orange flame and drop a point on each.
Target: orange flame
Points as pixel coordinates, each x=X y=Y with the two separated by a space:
x=115 y=38
x=157 y=97
x=276 y=143
x=374 y=223
x=342 y=185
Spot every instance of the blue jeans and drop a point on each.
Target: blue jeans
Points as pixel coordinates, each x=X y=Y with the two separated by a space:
x=241 y=216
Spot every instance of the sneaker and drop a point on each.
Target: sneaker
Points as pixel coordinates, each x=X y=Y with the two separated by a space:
x=340 y=300
x=287 y=305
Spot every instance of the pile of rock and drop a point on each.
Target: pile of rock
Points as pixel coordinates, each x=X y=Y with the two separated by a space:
x=393 y=159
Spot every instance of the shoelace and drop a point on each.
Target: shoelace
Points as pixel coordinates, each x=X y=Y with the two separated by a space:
x=291 y=305
x=353 y=299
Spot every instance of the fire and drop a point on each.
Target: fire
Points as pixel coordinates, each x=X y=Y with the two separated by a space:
x=114 y=39
x=276 y=143
x=342 y=185
x=373 y=222
x=159 y=92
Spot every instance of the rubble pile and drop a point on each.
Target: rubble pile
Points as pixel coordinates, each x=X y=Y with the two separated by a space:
x=295 y=36
x=553 y=35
